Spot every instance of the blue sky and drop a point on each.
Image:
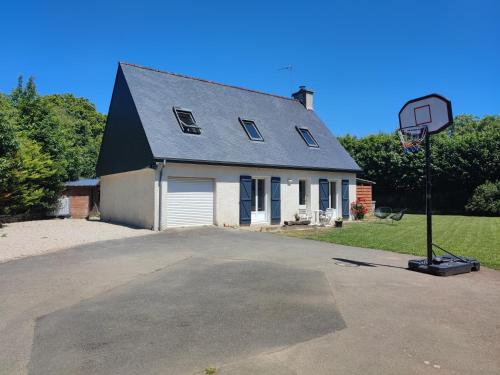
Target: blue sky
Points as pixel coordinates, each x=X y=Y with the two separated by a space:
x=363 y=59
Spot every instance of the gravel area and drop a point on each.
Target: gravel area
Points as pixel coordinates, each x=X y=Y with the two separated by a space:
x=19 y=240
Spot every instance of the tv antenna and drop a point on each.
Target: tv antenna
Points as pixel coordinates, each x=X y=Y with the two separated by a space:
x=289 y=67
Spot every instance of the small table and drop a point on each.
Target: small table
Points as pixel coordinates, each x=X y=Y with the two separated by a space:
x=316 y=215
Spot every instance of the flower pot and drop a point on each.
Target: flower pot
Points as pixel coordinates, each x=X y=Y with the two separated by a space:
x=338 y=224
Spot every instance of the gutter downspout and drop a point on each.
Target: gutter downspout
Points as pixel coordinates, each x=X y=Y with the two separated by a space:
x=160 y=193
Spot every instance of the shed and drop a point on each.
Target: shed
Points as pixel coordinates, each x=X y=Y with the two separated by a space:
x=364 y=192
x=83 y=195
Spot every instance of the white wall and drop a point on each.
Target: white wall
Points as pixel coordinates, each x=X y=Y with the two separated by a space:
x=129 y=198
x=227 y=188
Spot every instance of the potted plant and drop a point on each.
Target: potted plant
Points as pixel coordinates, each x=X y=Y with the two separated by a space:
x=338 y=222
x=358 y=210
x=297 y=216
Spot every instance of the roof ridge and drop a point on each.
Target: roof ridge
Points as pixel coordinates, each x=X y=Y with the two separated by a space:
x=205 y=80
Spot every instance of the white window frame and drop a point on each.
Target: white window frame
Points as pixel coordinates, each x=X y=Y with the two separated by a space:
x=262 y=217
x=257 y=193
x=307 y=192
x=337 y=183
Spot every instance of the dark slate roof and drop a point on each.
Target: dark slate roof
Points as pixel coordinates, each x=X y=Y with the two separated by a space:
x=216 y=108
x=83 y=182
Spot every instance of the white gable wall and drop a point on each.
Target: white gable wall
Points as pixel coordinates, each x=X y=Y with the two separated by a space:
x=129 y=198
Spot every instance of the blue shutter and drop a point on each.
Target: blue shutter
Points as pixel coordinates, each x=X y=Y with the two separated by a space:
x=275 y=200
x=345 y=198
x=324 y=193
x=245 y=200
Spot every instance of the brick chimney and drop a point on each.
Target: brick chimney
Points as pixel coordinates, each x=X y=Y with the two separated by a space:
x=305 y=96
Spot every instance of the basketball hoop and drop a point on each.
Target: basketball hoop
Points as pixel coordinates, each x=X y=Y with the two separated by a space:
x=412 y=138
x=423 y=117
x=418 y=120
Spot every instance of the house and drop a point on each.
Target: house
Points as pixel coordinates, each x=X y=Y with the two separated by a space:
x=182 y=151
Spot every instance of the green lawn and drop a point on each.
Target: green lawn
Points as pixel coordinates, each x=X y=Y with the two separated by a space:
x=478 y=237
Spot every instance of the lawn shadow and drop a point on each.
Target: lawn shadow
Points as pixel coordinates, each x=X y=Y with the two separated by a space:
x=365 y=264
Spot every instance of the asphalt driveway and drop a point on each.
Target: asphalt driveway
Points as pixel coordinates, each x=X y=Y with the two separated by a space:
x=245 y=303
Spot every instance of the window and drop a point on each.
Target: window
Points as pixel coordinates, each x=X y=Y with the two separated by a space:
x=302 y=192
x=307 y=136
x=251 y=130
x=186 y=121
x=333 y=194
x=260 y=195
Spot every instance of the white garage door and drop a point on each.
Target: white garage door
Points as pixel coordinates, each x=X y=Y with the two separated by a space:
x=190 y=202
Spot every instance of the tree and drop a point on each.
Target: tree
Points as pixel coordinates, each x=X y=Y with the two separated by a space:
x=82 y=127
x=38 y=180
x=463 y=158
x=44 y=141
x=8 y=151
x=38 y=123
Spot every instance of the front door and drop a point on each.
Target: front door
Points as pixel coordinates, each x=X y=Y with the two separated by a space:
x=258 y=200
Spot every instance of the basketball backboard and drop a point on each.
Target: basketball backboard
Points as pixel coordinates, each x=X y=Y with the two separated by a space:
x=432 y=111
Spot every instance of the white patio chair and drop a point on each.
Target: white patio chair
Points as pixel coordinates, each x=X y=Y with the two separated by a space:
x=305 y=214
x=326 y=216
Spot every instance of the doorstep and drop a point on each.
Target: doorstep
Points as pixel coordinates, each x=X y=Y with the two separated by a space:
x=261 y=227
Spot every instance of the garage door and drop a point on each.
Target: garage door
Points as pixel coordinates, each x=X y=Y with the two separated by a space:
x=190 y=202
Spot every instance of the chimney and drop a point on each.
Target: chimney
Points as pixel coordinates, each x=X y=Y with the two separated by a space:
x=305 y=96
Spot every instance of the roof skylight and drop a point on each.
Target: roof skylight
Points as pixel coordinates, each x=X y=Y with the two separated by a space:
x=251 y=130
x=186 y=121
x=307 y=137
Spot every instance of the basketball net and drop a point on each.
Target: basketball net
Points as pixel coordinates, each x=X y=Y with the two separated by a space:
x=412 y=138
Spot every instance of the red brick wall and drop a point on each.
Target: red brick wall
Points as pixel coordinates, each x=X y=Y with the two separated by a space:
x=79 y=202
x=364 y=194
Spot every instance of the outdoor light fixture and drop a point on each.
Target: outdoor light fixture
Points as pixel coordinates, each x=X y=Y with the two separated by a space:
x=289 y=181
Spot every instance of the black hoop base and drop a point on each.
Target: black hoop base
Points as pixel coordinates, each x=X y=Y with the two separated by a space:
x=444 y=266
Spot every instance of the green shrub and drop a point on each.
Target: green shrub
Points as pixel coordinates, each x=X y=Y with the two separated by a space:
x=485 y=200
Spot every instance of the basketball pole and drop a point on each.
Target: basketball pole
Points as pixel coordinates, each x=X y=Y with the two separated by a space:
x=428 y=196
